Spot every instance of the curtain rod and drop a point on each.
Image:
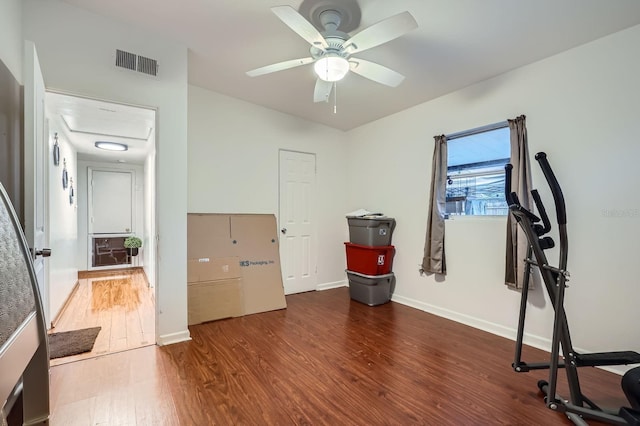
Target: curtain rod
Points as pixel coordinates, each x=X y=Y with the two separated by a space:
x=482 y=129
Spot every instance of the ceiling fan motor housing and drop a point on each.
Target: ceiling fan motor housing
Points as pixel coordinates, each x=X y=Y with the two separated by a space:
x=347 y=11
x=335 y=42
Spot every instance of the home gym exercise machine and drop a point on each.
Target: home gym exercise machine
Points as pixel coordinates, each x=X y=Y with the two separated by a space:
x=578 y=408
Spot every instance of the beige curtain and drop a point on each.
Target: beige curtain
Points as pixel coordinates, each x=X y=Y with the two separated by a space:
x=434 y=259
x=517 y=243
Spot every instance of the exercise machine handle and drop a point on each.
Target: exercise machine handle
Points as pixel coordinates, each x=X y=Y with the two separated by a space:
x=514 y=203
x=543 y=213
x=558 y=198
x=508 y=195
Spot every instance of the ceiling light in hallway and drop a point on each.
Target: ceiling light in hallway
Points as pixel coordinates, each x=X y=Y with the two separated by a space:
x=111 y=146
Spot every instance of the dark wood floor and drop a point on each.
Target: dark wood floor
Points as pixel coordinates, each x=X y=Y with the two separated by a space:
x=323 y=360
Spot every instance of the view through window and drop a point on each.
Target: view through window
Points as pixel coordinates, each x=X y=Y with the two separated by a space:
x=475 y=171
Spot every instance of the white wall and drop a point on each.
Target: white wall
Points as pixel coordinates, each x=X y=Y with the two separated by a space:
x=11 y=36
x=233 y=167
x=77 y=55
x=63 y=223
x=581 y=108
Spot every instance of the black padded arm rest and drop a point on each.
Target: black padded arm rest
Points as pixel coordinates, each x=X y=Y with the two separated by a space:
x=607 y=358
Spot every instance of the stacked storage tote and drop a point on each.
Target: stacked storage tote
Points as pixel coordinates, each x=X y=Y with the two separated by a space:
x=370 y=259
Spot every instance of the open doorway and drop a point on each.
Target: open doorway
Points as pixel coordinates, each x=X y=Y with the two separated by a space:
x=98 y=198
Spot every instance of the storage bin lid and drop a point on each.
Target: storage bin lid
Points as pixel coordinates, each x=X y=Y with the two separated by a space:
x=368 y=276
x=364 y=213
x=371 y=221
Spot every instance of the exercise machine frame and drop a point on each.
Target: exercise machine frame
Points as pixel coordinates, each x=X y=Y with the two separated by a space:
x=578 y=407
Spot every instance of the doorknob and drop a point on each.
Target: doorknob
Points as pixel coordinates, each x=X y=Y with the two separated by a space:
x=45 y=252
x=284 y=231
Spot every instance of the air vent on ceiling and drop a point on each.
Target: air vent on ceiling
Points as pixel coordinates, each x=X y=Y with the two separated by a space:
x=134 y=62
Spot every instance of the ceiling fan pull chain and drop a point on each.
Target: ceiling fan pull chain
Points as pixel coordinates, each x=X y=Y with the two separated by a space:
x=335 y=97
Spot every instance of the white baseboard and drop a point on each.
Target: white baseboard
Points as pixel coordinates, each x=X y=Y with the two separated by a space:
x=490 y=327
x=66 y=303
x=529 y=339
x=329 y=286
x=169 y=339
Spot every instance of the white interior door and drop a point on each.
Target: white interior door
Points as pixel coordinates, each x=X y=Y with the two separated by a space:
x=36 y=170
x=297 y=221
x=111 y=202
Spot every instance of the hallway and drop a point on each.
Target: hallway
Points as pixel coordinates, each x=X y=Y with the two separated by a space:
x=121 y=302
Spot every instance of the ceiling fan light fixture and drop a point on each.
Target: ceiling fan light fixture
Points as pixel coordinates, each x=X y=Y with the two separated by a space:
x=111 y=146
x=331 y=68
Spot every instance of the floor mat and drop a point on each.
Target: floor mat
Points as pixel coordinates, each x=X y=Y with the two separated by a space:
x=72 y=342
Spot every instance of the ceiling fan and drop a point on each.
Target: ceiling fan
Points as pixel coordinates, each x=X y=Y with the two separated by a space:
x=332 y=50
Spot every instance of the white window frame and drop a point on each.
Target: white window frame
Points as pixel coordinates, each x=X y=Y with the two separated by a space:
x=471 y=132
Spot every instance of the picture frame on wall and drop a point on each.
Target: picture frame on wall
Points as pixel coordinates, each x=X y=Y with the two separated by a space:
x=56 y=151
x=65 y=176
x=71 y=191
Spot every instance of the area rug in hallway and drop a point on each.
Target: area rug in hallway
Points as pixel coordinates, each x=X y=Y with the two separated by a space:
x=67 y=343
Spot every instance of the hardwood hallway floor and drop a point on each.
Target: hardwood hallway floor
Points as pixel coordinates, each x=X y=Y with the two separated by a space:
x=119 y=301
x=324 y=360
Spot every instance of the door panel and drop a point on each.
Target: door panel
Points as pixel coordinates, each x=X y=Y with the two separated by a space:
x=36 y=169
x=297 y=221
x=111 y=204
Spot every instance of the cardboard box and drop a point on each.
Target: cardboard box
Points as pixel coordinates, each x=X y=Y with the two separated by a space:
x=255 y=237
x=213 y=300
x=253 y=240
x=211 y=269
x=214 y=289
x=209 y=235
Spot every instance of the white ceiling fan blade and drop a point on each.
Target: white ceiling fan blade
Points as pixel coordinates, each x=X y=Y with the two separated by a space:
x=301 y=26
x=382 y=32
x=279 y=66
x=322 y=91
x=376 y=72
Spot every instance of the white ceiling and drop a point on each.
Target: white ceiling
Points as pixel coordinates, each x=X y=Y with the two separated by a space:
x=457 y=43
x=84 y=121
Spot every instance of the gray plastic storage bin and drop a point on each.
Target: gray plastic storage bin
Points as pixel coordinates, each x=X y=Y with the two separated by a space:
x=371 y=290
x=371 y=232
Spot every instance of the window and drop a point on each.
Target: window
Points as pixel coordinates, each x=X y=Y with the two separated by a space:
x=475 y=171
